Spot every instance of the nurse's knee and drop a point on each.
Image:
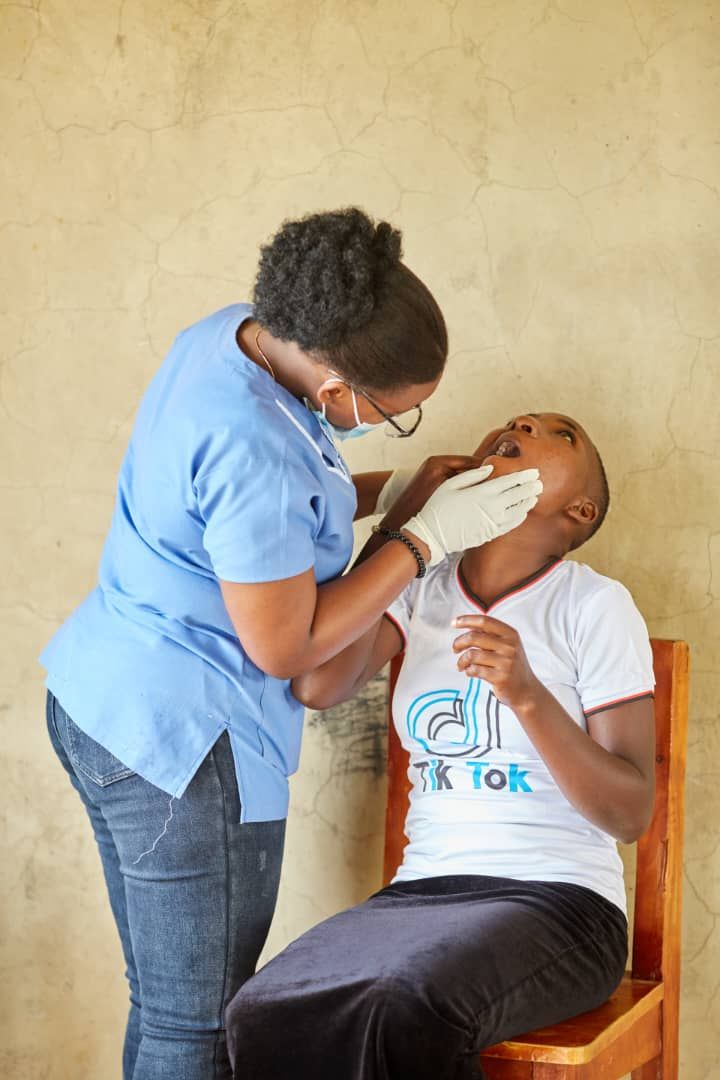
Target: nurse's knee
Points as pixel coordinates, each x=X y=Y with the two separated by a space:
x=180 y=1029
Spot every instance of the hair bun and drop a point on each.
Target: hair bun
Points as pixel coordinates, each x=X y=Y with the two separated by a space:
x=321 y=277
x=387 y=244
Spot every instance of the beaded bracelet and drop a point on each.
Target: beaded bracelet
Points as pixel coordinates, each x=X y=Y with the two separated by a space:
x=394 y=534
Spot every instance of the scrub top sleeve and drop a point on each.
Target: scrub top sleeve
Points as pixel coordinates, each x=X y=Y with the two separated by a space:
x=260 y=524
x=614 y=657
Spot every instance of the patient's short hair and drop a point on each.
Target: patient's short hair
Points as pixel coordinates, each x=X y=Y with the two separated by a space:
x=601 y=495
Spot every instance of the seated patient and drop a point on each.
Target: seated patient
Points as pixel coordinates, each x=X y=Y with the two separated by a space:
x=524 y=701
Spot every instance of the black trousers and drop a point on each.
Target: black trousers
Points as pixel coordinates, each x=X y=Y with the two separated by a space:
x=418 y=979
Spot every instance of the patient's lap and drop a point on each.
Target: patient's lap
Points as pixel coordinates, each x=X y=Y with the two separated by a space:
x=521 y=954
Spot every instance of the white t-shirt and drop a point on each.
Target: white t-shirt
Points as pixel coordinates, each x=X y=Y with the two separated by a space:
x=482 y=798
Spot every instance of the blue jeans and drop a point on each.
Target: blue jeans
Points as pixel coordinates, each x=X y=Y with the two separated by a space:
x=193 y=893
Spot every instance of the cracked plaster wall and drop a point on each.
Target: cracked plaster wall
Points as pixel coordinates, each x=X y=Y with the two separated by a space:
x=555 y=168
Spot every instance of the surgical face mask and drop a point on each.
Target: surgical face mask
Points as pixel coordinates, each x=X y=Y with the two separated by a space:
x=338 y=434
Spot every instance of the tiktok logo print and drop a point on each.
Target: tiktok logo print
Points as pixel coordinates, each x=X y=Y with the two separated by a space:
x=460 y=731
x=443 y=722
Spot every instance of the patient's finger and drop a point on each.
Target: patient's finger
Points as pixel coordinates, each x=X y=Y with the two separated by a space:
x=495 y=626
x=479 y=671
x=480 y=640
x=485 y=623
x=488 y=657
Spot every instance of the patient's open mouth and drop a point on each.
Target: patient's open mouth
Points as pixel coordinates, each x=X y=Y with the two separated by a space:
x=507 y=448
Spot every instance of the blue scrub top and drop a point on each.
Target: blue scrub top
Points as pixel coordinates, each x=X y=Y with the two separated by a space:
x=229 y=476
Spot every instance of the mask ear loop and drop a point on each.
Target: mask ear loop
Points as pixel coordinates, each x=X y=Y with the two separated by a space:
x=337 y=378
x=356 y=413
x=358 y=421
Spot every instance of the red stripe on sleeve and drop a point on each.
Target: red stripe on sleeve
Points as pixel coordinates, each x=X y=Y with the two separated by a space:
x=398 y=627
x=618 y=701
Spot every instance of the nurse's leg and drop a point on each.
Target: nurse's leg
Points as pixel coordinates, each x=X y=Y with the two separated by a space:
x=201 y=891
x=113 y=880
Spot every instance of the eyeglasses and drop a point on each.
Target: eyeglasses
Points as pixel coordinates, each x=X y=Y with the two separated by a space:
x=398 y=432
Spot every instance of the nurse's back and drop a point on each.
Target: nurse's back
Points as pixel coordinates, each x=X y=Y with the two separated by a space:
x=222 y=465
x=157 y=530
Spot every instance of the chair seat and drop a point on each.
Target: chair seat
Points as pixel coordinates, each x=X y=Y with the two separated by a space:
x=580 y=1040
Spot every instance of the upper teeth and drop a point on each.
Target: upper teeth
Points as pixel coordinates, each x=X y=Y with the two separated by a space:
x=504 y=448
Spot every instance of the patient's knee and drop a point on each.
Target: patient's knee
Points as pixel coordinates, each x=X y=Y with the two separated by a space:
x=408 y=1029
x=403 y=1004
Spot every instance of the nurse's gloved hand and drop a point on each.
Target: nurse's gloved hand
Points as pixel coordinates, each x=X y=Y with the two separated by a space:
x=469 y=510
x=406 y=491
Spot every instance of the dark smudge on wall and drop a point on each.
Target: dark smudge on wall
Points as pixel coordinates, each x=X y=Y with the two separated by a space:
x=358 y=729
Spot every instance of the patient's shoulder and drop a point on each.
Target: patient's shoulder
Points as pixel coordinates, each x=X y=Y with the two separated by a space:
x=588 y=585
x=584 y=576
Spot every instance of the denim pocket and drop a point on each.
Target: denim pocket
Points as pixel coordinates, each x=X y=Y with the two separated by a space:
x=86 y=755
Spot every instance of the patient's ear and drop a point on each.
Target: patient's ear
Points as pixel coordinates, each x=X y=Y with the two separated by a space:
x=583 y=511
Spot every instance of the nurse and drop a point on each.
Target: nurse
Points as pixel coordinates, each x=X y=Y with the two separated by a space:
x=169 y=700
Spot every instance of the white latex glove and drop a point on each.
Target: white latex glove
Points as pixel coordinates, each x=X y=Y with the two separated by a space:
x=468 y=510
x=392 y=488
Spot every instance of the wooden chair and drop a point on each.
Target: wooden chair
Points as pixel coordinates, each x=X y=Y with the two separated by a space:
x=636 y=1031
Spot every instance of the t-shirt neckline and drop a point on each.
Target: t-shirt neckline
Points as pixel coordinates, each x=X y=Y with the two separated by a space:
x=521 y=586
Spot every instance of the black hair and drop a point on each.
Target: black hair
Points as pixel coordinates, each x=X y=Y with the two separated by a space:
x=333 y=283
x=601 y=497
x=602 y=494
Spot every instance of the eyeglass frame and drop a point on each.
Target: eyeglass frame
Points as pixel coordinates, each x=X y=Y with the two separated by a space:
x=400 y=432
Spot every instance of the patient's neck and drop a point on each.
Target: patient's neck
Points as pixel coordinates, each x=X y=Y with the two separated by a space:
x=496 y=568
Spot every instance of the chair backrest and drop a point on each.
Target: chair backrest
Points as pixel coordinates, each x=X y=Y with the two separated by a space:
x=656 y=932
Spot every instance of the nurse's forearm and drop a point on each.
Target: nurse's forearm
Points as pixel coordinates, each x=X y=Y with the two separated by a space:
x=342 y=676
x=348 y=607
x=291 y=627
x=368 y=486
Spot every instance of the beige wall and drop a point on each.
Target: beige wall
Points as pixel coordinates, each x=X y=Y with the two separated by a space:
x=555 y=169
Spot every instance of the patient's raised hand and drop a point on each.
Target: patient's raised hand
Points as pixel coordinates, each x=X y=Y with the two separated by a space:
x=492 y=650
